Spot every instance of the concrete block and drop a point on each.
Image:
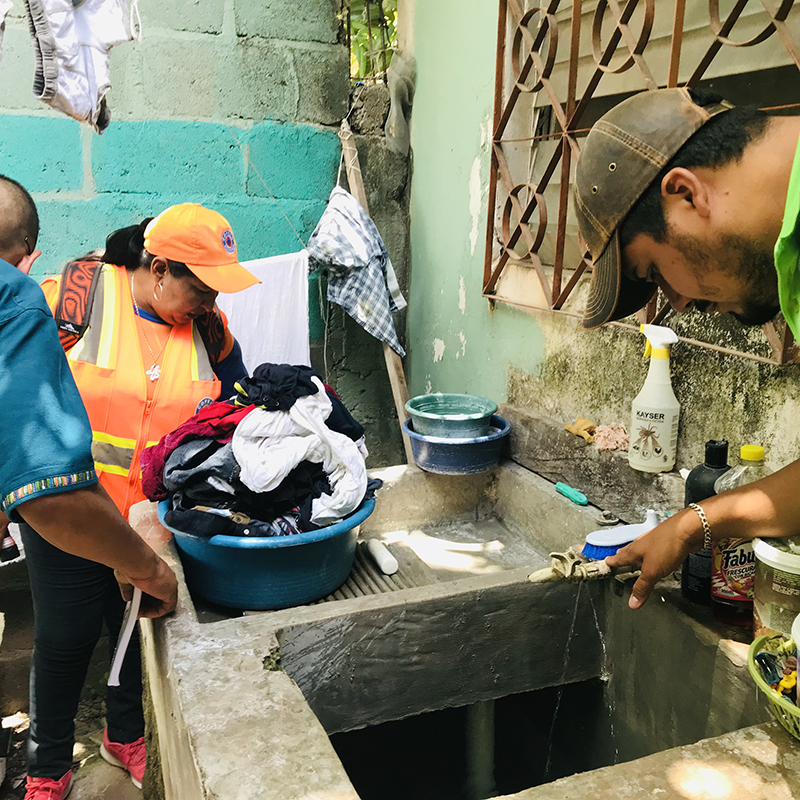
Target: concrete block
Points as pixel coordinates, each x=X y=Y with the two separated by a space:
x=256 y=80
x=126 y=98
x=70 y=228
x=16 y=71
x=200 y=16
x=43 y=154
x=164 y=156
x=309 y=20
x=262 y=230
x=323 y=78
x=295 y=161
x=180 y=78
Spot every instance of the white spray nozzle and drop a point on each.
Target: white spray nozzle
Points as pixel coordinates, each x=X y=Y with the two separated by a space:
x=659 y=338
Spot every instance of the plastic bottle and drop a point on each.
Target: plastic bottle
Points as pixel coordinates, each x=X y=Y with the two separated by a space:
x=734 y=562
x=696 y=572
x=655 y=411
x=8 y=549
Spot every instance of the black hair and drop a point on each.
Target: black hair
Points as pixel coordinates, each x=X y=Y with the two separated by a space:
x=722 y=140
x=29 y=224
x=125 y=248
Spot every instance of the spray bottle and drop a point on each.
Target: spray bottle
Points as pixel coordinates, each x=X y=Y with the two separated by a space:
x=655 y=411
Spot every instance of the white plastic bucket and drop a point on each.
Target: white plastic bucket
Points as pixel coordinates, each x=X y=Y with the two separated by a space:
x=776 y=592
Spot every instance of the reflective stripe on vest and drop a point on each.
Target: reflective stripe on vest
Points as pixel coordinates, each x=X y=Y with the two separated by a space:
x=112 y=453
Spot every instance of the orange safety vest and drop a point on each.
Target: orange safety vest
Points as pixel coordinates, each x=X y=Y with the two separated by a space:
x=108 y=368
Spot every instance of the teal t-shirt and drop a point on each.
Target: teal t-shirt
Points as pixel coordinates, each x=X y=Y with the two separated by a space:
x=45 y=436
x=787 y=252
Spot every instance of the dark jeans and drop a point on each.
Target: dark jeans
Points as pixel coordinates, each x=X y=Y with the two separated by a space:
x=71 y=598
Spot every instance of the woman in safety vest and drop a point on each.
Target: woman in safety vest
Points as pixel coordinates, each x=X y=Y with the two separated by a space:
x=147 y=348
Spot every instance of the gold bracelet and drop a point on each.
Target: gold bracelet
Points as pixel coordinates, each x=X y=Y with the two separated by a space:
x=707 y=540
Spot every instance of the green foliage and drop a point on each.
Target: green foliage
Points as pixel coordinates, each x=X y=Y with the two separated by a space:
x=367 y=58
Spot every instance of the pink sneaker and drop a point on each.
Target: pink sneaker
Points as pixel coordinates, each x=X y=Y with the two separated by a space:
x=48 y=788
x=131 y=757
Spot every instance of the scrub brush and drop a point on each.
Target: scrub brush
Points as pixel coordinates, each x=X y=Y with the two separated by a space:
x=607 y=541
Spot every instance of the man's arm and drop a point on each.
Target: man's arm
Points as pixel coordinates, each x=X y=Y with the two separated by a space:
x=767 y=508
x=86 y=523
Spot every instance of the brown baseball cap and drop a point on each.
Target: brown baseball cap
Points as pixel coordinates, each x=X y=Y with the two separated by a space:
x=623 y=154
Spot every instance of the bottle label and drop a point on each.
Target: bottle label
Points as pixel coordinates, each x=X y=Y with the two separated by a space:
x=733 y=570
x=654 y=436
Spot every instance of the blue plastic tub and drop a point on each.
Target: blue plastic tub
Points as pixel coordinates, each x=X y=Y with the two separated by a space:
x=269 y=572
x=446 y=456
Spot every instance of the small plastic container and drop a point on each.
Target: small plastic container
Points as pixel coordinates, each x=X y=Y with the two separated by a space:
x=451 y=416
x=776 y=591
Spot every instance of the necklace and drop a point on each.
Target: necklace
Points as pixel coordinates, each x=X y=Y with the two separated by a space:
x=154 y=373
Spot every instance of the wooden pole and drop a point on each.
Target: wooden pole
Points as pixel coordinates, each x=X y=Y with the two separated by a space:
x=394 y=365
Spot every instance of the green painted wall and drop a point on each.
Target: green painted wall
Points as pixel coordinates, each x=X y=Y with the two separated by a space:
x=457 y=343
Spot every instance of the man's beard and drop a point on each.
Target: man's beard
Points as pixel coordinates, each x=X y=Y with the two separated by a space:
x=743 y=260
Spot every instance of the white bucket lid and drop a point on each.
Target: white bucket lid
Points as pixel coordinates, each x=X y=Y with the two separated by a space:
x=796 y=630
x=781 y=554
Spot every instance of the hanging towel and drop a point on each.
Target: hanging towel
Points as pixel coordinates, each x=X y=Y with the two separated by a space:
x=270 y=320
x=361 y=277
x=71 y=45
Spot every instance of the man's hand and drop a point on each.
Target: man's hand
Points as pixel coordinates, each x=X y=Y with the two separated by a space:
x=159 y=593
x=659 y=552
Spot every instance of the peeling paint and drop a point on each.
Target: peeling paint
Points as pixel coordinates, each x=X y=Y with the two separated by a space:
x=475 y=192
x=428 y=384
x=462 y=295
x=463 y=343
x=438 y=350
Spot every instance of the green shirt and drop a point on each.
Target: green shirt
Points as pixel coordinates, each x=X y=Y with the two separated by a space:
x=787 y=253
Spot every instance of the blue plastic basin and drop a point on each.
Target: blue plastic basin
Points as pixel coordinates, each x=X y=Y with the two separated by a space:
x=269 y=572
x=447 y=456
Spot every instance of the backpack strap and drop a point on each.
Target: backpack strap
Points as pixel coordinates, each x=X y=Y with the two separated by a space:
x=75 y=298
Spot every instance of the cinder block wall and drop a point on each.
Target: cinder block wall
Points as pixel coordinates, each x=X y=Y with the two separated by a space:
x=205 y=75
x=231 y=103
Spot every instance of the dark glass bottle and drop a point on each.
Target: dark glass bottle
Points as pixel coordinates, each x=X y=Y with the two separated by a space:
x=696 y=572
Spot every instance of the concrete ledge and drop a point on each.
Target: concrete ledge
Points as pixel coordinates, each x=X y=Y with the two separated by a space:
x=757 y=763
x=543 y=446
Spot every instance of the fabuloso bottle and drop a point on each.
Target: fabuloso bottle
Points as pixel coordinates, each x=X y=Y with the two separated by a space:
x=733 y=565
x=655 y=411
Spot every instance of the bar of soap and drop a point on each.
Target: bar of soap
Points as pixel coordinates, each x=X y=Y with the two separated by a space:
x=386 y=562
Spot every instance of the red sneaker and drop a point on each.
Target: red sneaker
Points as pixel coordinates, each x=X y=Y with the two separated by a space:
x=131 y=757
x=48 y=788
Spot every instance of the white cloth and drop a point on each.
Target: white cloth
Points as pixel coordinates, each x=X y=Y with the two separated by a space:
x=268 y=445
x=270 y=320
x=72 y=41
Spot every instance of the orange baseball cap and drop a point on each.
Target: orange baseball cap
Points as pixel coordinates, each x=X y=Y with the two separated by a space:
x=203 y=240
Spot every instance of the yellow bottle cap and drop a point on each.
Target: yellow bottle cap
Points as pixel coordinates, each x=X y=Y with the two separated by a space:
x=752 y=452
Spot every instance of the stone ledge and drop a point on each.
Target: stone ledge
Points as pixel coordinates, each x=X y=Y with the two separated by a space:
x=753 y=763
x=542 y=445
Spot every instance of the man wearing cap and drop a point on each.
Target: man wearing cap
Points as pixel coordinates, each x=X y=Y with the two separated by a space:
x=154 y=349
x=678 y=189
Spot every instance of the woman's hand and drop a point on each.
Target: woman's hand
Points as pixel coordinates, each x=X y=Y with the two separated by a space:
x=659 y=552
x=159 y=592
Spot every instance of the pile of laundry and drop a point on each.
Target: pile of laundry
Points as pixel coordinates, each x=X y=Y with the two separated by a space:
x=283 y=456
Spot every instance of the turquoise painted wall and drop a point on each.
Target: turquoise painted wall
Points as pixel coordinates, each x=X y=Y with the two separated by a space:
x=457 y=343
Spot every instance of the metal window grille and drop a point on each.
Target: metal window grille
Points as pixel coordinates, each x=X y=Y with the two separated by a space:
x=547 y=97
